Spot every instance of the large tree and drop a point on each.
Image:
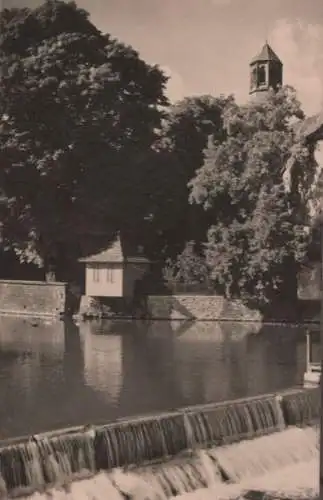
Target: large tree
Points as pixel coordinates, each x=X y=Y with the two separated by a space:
x=79 y=113
x=185 y=131
x=257 y=239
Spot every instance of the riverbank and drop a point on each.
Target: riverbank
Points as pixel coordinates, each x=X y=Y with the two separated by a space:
x=49 y=299
x=198 y=308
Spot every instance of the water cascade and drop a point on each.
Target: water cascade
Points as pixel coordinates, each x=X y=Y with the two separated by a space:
x=230 y=422
x=152 y=442
x=256 y=457
x=301 y=407
x=230 y=472
x=189 y=472
x=141 y=440
x=45 y=461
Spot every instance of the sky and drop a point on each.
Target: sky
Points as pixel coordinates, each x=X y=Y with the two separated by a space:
x=205 y=46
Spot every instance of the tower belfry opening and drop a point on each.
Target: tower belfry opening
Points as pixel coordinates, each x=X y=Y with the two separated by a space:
x=266 y=72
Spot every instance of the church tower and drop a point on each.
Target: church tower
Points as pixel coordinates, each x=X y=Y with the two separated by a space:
x=266 y=72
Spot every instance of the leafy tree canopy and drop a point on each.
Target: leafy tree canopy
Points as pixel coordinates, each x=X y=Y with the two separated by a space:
x=180 y=145
x=79 y=113
x=188 y=269
x=257 y=237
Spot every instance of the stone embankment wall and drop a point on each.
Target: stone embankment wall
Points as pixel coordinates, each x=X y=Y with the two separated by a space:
x=199 y=307
x=33 y=298
x=309 y=282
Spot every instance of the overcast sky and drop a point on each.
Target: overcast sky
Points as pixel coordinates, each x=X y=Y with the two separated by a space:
x=206 y=45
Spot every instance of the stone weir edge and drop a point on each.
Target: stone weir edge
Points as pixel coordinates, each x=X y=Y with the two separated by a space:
x=61 y=432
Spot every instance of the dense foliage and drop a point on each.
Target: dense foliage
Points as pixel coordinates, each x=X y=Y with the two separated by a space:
x=257 y=238
x=189 y=269
x=184 y=136
x=89 y=146
x=79 y=113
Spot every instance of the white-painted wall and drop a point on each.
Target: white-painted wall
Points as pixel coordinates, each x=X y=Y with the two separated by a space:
x=104 y=280
x=113 y=280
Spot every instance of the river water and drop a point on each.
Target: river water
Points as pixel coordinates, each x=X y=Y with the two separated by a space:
x=58 y=374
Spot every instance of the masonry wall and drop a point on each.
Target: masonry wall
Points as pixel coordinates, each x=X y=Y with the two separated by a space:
x=199 y=307
x=309 y=282
x=216 y=308
x=32 y=298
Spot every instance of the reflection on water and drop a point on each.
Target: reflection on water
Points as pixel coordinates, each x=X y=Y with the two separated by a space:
x=103 y=368
x=56 y=375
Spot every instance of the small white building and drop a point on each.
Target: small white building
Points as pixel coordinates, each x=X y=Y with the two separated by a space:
x=112 y=274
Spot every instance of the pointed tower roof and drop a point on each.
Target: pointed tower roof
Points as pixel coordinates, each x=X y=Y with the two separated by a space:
x=266 y=54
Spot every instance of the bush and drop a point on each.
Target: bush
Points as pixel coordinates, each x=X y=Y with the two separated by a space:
x=189 y=271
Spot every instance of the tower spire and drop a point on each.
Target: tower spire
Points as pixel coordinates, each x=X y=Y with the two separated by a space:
x=266 y=72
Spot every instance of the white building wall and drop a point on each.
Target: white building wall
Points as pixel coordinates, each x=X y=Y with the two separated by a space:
x=104 y=280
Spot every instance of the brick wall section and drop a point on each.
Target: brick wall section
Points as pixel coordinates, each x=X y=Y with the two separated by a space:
x=34 y=298
x=199 y=307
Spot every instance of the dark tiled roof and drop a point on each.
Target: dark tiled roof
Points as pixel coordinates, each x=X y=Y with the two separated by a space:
x=113 y=254
x=266 y=54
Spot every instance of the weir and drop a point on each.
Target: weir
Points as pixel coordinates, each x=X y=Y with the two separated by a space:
x=191 y=445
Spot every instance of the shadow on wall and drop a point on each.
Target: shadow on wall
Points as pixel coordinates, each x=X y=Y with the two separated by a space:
x=199 y=307
x=310 y=310
x=216 y=308
x=171 y=307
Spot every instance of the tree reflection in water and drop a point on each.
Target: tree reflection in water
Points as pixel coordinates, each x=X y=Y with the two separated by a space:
x=58 y=374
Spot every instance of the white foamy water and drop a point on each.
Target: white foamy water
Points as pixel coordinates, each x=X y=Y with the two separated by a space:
x=96 y=488
x=297 y=481
x=284 y=464
x=257 y=457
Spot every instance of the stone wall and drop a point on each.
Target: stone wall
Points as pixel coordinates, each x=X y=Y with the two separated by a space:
x=199 y=307
x=32 y=298
x=309 y=282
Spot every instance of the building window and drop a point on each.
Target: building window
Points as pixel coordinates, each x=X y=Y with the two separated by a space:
x=110 y=277
x=96 y=274
x=262 y=75
x=253 y=83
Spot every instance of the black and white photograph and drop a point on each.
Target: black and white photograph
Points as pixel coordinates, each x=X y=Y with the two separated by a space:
x=161 y=249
